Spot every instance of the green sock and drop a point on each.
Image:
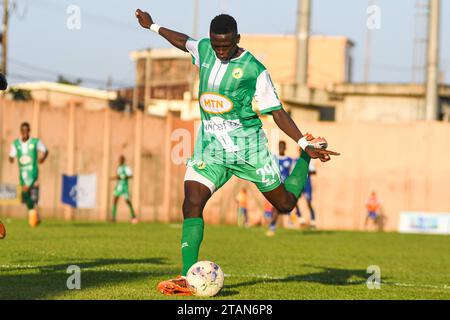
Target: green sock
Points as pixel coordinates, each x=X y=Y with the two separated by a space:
x=190 y=242
x=28 y=201
x=133 y=215
x=114 y=212
x=297 y=179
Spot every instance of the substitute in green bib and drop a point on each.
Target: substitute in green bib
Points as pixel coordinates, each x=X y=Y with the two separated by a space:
x=122 y=189
x=30 y=152
x=231 y=141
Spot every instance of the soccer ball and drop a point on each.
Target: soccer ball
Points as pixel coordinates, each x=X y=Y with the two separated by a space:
x=205 y=279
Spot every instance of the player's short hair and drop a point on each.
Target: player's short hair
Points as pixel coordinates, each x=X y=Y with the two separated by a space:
x=222 y=24
x=25 y=124
x=282 y=142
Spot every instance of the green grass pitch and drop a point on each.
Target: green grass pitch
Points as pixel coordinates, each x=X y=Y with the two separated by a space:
x=126 y=261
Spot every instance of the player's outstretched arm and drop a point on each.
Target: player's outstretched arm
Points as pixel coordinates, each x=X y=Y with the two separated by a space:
x=43 y=157
x=12 y=153
x=288 y=126
x=177 y=39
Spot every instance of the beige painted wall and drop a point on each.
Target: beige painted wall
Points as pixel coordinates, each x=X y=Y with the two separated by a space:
x=303 y=114
x=327 y=57
x=60 y=99
x=380 y=108
x=407 y=164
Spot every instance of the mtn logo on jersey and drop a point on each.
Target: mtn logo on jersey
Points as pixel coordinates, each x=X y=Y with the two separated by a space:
x=215 y=103
x=25 y=160
x=237 y=73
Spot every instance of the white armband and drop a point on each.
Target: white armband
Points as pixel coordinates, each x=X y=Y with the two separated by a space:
x=303 y=143
x=155 y=28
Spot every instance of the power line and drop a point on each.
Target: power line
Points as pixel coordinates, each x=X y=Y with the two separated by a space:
x=54 y=73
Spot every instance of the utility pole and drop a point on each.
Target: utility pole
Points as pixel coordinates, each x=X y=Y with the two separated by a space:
x=5 y=37
x=432 y=98
x=195 y=19
x=109 y=83
x=420 y=42
x=195 y=36
x=303 y=30
x=147 y=79
x=368 y=50
x=223 y=6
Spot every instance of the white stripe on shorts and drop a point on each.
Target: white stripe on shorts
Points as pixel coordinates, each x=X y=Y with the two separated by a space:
x=192 y=175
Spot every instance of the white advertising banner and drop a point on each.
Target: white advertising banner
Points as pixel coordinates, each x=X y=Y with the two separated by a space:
x=424 y=222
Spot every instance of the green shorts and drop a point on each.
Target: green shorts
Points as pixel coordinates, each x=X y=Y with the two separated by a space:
x=27 y=178
x=121 y=191
x=262 y=170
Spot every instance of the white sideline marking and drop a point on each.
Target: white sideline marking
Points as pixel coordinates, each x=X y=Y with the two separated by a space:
x=16 y=266
x=49 y=269
x=398 y=284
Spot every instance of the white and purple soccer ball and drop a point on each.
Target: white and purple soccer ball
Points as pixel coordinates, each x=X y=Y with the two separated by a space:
x=205 y=279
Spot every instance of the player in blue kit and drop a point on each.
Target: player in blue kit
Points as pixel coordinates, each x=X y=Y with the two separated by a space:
x=307 y=193
x=286 y=165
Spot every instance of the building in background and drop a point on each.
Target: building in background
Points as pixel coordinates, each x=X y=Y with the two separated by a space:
x=166 y=81
x=330 y=94
x=59 y=95
x=329 y=58
x=171 y=75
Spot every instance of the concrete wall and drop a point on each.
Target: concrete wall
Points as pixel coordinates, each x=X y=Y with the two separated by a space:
x=304 y=114
x=380 y=108
x=407 y=164
x=327 y=57
x=61 y=99
x=98 y=138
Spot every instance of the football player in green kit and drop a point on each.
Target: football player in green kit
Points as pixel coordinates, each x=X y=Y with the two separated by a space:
x=231 y=140
x=30 y=152
x=122 y=189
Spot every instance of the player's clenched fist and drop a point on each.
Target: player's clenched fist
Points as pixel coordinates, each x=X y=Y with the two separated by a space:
x=144 y=18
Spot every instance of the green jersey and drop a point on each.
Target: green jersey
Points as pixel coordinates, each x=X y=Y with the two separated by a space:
x=121 y=189
x=231 y=140
x=231 y=130
x=27 y=158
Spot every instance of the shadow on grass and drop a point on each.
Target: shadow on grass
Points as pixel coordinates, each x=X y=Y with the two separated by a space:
x=86 y=264
x=42 y=282
x=225 y=292
x=327 y=276
x=315 y=232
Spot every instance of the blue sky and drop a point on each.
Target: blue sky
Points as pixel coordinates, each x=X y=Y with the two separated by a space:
x=41 y=45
